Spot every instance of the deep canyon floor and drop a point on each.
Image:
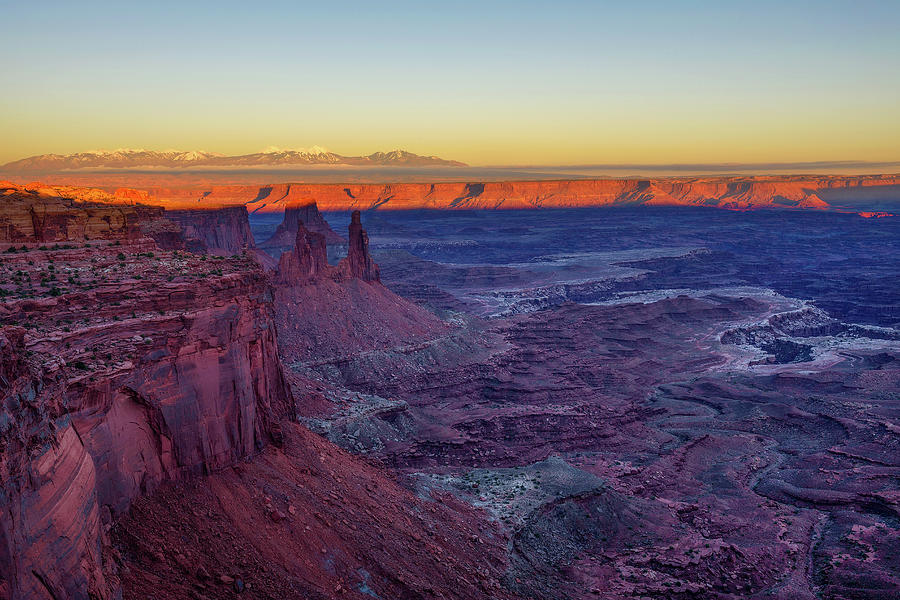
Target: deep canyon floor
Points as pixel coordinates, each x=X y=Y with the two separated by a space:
x=648 y=403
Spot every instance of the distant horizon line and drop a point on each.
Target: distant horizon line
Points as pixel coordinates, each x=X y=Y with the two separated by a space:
x=817 y=164
x=695 y=166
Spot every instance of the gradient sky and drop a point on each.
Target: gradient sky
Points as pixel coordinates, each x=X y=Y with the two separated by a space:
x=499 y=82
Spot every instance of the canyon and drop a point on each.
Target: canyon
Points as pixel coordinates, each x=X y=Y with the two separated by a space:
x=863 y=194
x=663 y=422
x=137 y=366
x=656 y=401
x=128 y=367
x=839 y=193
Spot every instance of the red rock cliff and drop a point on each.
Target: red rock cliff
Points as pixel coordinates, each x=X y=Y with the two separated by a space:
x=140 y=368
x=40 y=214
x=739 y=193
x=223 y=231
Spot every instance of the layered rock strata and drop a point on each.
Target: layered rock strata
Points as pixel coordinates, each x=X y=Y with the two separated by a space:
x=736 y=193
x=41 y=215
x=306 y=262
x=123 y=366
x=223 y=231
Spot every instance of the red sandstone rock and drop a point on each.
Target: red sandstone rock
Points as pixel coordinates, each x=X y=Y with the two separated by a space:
x=52 y=527
x=141 y=368
x=306 y=213
x=351 y=528
x=324 y=310
x=46 y=215
x=223 y=231
x=737 y=193
x=306 y=262
x=12 y=355
x=197 y=387
x=137 y=196
x=359 y=263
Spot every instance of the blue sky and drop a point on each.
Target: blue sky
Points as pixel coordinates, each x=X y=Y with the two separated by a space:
x=485 y=82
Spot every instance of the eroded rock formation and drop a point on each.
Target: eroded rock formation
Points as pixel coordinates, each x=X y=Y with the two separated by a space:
x=735 y=193
x=124 y=366
x=40 y=214
x=307 y=261
x=359 y=263
x=222 y=231
x=140 y=366
x=306 y=213
x=326 y=311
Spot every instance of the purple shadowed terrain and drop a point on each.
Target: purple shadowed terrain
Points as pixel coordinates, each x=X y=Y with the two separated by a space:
x=644 y=402
x=652 y=403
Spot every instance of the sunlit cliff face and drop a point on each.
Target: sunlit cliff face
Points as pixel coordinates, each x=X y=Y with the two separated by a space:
x=834 y=193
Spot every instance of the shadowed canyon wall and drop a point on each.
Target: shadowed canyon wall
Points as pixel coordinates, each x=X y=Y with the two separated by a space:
x=223 y=232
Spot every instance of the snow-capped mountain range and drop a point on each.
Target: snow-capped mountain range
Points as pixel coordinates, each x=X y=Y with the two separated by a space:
x=129 y=158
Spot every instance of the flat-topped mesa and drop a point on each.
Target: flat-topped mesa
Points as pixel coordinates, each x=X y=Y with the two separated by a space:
x=307 y=261
x=306 y=213
x=810 y=192
x=359 y=263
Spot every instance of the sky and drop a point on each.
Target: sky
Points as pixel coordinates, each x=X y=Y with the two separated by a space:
x=488 y=83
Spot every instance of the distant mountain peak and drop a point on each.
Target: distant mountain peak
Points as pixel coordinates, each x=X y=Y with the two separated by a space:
x=127 y=158
x=311 y=150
